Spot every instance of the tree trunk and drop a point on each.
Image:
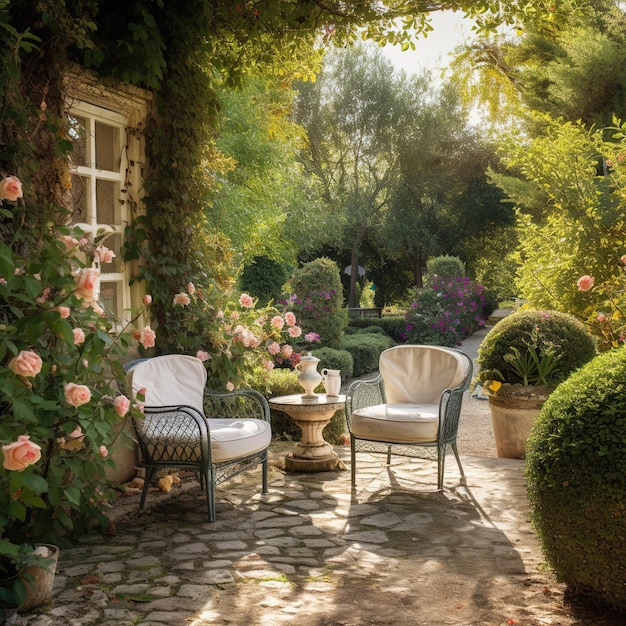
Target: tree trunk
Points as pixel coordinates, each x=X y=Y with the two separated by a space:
x=417 y=272
x=354 y=275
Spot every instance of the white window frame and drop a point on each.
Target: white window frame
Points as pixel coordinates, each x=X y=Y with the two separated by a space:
x=94 y=114
x=124 y=104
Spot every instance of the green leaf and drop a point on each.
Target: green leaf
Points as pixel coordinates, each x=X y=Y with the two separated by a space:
x=35 y=483
x=7 y=268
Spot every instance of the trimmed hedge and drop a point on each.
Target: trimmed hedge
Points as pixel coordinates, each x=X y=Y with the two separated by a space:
x=576 y=469
x=335 y=360
x=365 y=349
x=392 y=325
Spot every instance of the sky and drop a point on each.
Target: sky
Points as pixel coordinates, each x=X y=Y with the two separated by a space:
x=450 y=30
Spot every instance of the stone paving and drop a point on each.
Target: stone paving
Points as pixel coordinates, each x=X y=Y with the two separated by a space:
x=312 y=552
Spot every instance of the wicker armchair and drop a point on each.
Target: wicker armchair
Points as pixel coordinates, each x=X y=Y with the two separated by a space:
x=412 y=406
x=218 y=435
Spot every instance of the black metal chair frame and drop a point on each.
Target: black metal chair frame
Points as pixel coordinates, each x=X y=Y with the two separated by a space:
x=364 y=393
x=189 y=428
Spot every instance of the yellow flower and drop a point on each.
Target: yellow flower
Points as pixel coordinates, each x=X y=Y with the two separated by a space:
x=494 y=386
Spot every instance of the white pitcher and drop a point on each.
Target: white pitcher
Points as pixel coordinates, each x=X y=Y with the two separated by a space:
x=332 y=381
x=308 y=376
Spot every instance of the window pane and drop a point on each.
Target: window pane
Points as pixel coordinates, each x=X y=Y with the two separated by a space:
x=78 y=195
x=113 y=242
x=107 y=202
x=107 y=147
x=79 y=132
x=110 y=297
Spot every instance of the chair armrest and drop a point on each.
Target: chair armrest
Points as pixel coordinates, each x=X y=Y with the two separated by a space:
x=238 y=404
x=362 y=393
x=168 y=433
x=450 y=404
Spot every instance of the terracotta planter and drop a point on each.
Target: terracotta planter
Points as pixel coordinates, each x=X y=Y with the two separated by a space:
x=513 y=416
x=39 y=580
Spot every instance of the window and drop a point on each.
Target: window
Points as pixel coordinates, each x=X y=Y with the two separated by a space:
x=107 y=165
x=98 y=168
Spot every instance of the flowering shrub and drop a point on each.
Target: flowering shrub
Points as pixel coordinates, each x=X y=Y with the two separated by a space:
x=607 y=307
x=445 y=312
x=317 y=300
x=232 y=336
x=60 y=406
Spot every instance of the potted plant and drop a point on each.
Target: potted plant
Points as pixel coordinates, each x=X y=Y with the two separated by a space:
x=521 y=361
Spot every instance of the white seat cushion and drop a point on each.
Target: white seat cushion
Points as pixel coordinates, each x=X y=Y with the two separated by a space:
x=176 y=438
x=396 y=423
x=232 y=439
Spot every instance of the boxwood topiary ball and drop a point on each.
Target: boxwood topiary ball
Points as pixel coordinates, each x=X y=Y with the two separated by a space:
x=576 y=469
x=561 y=331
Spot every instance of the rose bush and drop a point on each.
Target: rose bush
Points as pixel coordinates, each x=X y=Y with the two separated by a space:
x=231 y=335
x=606 y=307
x=60 y=405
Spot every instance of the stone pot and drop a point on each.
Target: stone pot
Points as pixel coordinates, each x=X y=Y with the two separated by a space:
x=513 y=412
x=40 y=579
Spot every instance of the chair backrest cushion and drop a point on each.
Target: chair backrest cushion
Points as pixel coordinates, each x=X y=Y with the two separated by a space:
x=419 y=374
x=170 y=380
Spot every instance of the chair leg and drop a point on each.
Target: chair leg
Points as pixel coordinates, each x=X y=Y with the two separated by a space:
x=441 y=464
x=352 y=461
x=209 y=487
x=458 y=460
x=264 y=475
x=146 y=483
x=388 y=455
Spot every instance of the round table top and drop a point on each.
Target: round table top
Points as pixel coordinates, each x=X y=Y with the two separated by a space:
x=296 y=401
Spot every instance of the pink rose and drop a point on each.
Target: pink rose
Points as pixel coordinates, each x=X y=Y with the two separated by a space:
x=585 y=282
x=147 y=337
x=290 y=318
x=294 y=331
x=268 y=365
x=273 y=348
x=20 y=454
x=3 y=281
x=121 y=404
x=79 y=336
x=246 y=301
x=76 y=395
x=277 y=322
x=74 y=441
x=103 y=452
x=311 y=337
x=88 y=284
x=601 y=317
x=229 y=386
x=287 y=350
x=234 y=315
x=147 y=299
x=69 y=242
x=64 y=311
x=202 y=355
x=105 y=254
x=26 y=363
x=10 y=188
x=181 y=299
x=623 y=259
